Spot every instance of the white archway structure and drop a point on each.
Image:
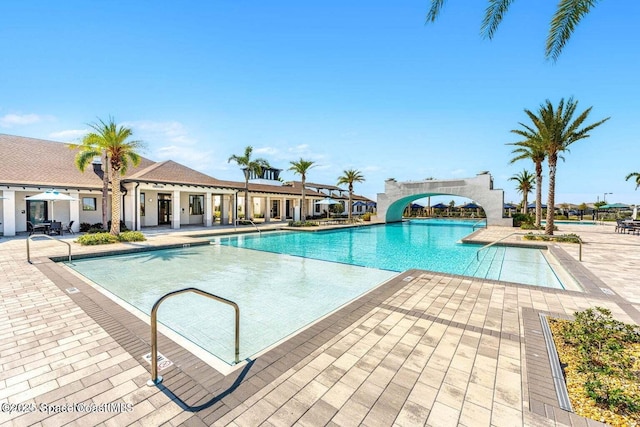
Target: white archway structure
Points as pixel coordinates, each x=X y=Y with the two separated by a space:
x=397 y=195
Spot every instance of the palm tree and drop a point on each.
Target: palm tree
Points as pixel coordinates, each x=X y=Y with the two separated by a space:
x=567 y=16
x=301 y=167
x=349 y=177
x=113 y=141
x=533 y=150
x=248 y=166
x=637 y=175
x=525 y=185
x=557 y=130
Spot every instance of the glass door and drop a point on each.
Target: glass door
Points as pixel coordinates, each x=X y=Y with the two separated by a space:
x=38 y=211
x=164 y=209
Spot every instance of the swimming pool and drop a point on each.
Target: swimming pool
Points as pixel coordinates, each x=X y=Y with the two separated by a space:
x=284 y=281
x=277 y=294
x=422 y=244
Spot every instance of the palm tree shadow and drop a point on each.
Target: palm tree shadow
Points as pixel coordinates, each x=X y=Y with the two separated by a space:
x=165 y=255
x=186 y=407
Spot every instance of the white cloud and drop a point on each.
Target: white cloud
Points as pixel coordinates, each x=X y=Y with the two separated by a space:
x=270 y=151
x=172 y=131
x=69 y=135
x=192 y=157
x=10 y=120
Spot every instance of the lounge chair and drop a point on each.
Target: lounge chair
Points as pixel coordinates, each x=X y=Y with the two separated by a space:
x=67 y=228
x=624 y=226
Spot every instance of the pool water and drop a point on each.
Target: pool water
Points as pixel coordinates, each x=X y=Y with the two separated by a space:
x=421 y=244
x=277 y=294
x=284 y=281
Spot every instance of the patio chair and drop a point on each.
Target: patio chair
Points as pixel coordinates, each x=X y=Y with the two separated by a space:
x=55 y=228
x=68 y=228
x=39 y=228
x=623 y=226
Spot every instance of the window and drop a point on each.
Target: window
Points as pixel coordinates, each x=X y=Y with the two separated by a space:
x=141 y=204
x=89 y=204
x=196 y=205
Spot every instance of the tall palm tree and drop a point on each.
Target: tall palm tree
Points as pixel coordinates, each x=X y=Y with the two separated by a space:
x=636 y=175
x=525 y=185
x=533 y=150
x=557 y=130
x=349 y=177
x=564 y=21
x=301 y=167
x=113 y=141
x=248 y=165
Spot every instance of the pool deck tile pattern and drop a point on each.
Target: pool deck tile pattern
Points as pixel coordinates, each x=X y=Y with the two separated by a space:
x=424 y=349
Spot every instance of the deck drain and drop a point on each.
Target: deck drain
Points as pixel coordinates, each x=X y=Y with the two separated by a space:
x=607 y=291
x=408 y=279
x=163 y=362
x=72 y=290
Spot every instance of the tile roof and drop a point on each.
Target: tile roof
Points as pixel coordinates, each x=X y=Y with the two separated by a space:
x=36 y=162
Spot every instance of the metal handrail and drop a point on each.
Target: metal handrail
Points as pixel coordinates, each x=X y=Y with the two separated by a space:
x=493 y=243
x=48 y=237
x=478 y=222
x=155 y=378
x=252 y=223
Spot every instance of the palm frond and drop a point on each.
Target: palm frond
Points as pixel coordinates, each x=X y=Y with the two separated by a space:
x=434 y=11
x=568 y=14
x=493 y=17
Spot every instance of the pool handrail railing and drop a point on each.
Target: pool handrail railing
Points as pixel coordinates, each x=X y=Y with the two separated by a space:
x=493 y=243
x=155 y=378
x=473 y=228
x=48 y=237
x=248 y=220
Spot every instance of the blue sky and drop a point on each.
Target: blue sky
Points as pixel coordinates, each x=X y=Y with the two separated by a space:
x=367 y=86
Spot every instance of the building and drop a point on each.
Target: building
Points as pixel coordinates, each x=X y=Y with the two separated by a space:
x=153 y=194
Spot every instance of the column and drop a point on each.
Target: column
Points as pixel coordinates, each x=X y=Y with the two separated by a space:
x=267 y=210
x=9 y=212
x=208 y=209
x=175 y=209
x=224 y=209
x=283 y=207
x=74 y=210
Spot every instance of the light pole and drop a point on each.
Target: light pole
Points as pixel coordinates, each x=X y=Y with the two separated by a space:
x=604 y=197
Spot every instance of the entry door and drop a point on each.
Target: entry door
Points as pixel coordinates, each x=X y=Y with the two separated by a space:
x=38 y=211
x=287 y=209
x=164 y=209
x=274 y=209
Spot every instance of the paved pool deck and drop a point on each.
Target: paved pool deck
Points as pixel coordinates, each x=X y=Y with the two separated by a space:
x=424 y=349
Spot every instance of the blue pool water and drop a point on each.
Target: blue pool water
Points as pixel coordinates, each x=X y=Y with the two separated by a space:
x=422 y=244
x=283 y=281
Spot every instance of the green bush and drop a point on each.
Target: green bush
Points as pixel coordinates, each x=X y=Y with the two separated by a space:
x=302 y=224
x=564 y=238
x=97 y=239
x=520 y=218
x=131 y=236
x=366 y=216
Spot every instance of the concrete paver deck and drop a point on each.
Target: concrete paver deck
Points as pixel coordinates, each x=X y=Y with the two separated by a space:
x=424 y=349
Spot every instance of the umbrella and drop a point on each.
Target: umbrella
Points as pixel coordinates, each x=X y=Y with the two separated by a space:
x=615 y=206
x=52 y=196
x=440 y=206
x=359 y=203
x=533 y=206
x=470 y=205
x=327 y=201
x=509 y=206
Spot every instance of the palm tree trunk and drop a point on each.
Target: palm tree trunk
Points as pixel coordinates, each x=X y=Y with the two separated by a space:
x=553 y=161
x=105 y=189
x=303 y=216
x=525 y=202
x=115 y=203
x=538 y=194
x=246 y=199
x=350 y=196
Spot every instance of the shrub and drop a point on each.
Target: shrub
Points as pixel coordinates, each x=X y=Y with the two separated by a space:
x=84 y=227
x=302 y=224
x=131 y=236
x=564 y=238
x=97 y=239
x=604 y=356
x=366 y=216
x=520 y=218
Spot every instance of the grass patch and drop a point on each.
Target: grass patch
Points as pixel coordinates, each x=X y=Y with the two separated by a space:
x=601 y=360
